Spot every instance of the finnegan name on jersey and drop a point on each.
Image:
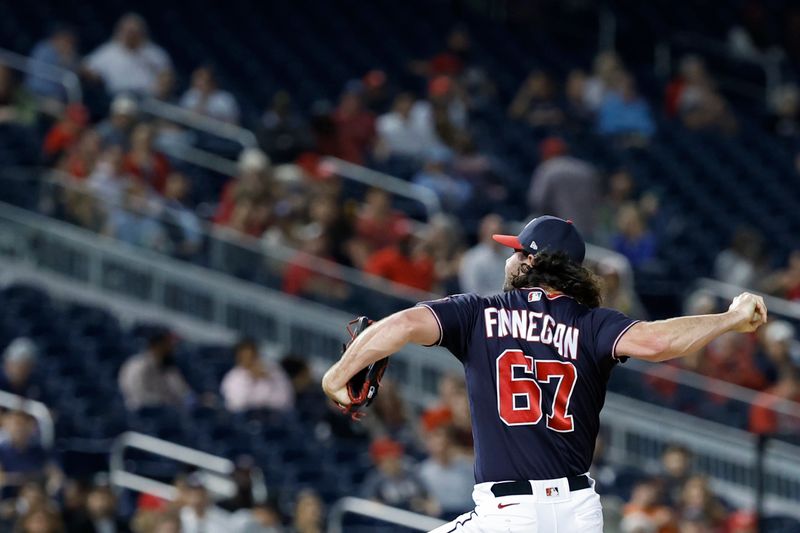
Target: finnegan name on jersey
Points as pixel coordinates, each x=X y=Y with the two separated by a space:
x=532 y=326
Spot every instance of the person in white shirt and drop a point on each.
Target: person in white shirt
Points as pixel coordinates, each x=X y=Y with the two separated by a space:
x=447 y=474
x=129 y=61
x=403 y=133
x=481 y=264
x=256 y=383
x=199 y=514
x=206 y=98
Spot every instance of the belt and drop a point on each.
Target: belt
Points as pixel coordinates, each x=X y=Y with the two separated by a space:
x=515 y=488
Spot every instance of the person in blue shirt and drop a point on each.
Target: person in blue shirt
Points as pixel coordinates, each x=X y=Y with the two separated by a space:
x=625 y=113
x=58 y=50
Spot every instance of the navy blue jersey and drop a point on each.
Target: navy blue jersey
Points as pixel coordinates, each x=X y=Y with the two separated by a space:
x=536 y=368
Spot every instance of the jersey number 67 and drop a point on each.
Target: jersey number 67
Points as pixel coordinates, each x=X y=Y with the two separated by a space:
x=519 y=397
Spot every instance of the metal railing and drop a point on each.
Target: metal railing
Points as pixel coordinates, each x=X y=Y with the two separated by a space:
x=396 y=186
x=225 y=248
x=50 y=246
x=378 y=511
x=68 y=79
x=768 y=63
x=37 y=410
x=639 y=433
x=118 y=269
x=191 y=119
x=216 y=472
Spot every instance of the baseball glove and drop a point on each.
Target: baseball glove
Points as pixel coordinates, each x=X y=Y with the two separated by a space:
x=363 y=387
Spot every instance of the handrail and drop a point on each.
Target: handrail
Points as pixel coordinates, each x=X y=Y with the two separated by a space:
x=775 y=305
x=201 y=158
x=36 y=409
x=731 y=391
x=192 y=119
x=65 y=77
x=393 y=515
x=209 y=463
x=768 y=63
x=278 y=252
x=396 y=186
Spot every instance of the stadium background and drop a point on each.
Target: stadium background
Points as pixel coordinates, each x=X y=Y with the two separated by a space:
x=260 y=181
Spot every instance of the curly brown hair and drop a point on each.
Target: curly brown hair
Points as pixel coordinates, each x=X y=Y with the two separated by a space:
x=556 y=271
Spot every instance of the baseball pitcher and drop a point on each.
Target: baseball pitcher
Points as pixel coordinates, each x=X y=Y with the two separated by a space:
x=537 y=360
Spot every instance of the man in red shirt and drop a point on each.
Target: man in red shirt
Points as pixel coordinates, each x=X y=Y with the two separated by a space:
x=405 y=263
x=764 y=418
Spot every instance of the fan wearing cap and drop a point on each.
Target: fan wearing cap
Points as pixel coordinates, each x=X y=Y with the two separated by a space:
x=537 y=358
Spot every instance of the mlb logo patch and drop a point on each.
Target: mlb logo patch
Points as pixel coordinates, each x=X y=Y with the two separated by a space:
x=534 y=296
x=551 y=491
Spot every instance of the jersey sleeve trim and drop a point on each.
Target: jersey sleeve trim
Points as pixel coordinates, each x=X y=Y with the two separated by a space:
x=438 y=322
x=621 y=333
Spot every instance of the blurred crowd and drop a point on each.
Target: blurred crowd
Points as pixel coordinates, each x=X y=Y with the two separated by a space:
x=417 y=461
x=117 y=178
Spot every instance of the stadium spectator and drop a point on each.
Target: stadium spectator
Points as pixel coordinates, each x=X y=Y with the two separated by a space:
x=401 y=132
x=445 y=108
x=199 y=514
x=624 y=115
x=39 y=520
x=731 y=358
x=484 y=263
x=181 y=224
x=565 y=186
x=151 y=378
x=166 y=523
x=407 y=262
x=696 y=100
x=775 y=348
x=536 y=104
x=253 y=184
x=394 y=482
x=392 y=418
x=101 y=505
x=303 y=277
x=18 y=374
x=309 y=399
x=206 y=98
x=784 y=116
x=446 y=474
x=378 y=225
x=771 y=412
x=16 y=104
x=443 y=241
x=22 y=458
x=479 y=170
x=309 y=513
x=116 y=129
x=634 y=239
x=605 y=70
x=645 y=513
x=698 y=503
x=129 y=62
x=108 y=179
x=326 y=216
x=676 y=467
x=355 y=127
x=143 y=162
x=65 y=133
x=453 y=191
x=742 y=262
x=785 y=282
x=452 y=60
x=59 y=49
x=255 y=382
x=617 y=287
x=73 y=508
x=453 y=410
x=134 y=222
x=283 y=133
x=80 y=160
x=578 y=116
